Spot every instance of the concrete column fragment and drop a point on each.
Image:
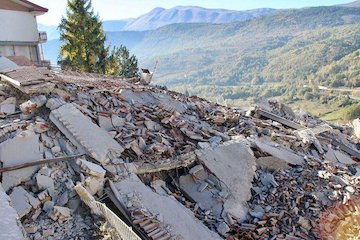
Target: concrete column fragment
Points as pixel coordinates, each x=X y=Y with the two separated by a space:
x=85 y=134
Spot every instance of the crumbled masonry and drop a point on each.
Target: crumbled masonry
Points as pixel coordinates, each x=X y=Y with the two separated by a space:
x=165 y=165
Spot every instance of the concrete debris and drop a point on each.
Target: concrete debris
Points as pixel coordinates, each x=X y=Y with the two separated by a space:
x=91 y=168
x=356 y=125
x=23 y=148
x=272 y=163
x=280 y=152
x=34 y=103
x=10 y=227
x=142 y=197
x=234 y=164
x=44 y=182
x=175 y=167
x=81 y=132
x=8 y=106
x=23 y=201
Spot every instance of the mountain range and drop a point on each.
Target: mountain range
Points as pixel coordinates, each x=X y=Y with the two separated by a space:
x=159 y=17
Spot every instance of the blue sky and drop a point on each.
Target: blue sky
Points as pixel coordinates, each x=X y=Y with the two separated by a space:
x=120 y=9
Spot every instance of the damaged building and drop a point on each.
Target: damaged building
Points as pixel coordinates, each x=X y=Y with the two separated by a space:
x=86 y=156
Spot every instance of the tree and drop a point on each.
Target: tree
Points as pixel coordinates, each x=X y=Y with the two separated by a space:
x=121 y=63
x=83 y=39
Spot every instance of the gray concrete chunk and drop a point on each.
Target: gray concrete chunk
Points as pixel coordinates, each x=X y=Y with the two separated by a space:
x=21 y=200
x=23 y=148
x=84 y=134
x=282 y=153
x=10 y=227
x=44 y=182
x=8 y=106
x=181 y=220
x=234 y=164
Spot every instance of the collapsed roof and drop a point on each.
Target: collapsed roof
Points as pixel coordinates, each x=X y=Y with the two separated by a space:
x=154 y=164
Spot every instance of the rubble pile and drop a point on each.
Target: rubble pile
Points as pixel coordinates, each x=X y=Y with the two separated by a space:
x=173 y=167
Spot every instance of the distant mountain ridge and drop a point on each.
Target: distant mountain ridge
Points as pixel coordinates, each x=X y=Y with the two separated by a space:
x=159 y=17
x=352 y=4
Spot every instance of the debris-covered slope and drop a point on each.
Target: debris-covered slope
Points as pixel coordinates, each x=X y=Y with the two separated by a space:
x=86 y=156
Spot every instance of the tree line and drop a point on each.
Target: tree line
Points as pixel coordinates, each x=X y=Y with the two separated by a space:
x=84 y=44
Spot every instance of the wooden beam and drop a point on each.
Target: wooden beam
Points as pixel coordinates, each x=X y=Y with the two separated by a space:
x=40 y=162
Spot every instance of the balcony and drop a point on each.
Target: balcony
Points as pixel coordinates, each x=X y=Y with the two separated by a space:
x=42 y=37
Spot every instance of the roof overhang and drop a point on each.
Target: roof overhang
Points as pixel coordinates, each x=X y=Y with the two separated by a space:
x=34 y=8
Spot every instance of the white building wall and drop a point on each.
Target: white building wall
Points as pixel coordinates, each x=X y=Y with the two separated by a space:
x=17 y=26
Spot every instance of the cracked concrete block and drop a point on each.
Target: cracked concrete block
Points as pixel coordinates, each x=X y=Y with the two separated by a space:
x=94 y=185
x=105 y=123
x=181 y=220
x=91 y=168
x=234 y=164
x=10 y=227
x=282 y=153
x=223 y=229
x=343 y=158
x=34 y=103
x=205 y=198
x=44 y=182
x=117 y=121
x=54 y=103
x=8 y=106
x=272 y=163
x=23 y=201
x=84 y=134
x=23 y=148
x=61 y=213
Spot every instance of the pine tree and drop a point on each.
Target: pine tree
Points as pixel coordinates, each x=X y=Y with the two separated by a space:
x=121 y=63
x=83 y=39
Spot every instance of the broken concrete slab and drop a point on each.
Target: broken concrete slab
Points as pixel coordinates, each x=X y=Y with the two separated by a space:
x=272 y=163
x=81 y=131
x=180 y=219
x=206 y=198
x=44 y=182
x=234 y=164
x=8 y=106
x=308 y=137
x=34 y=103
x=10 y=155
x=54 y=103
x=23 y=201
x=105 y=122
x=343 y=158
x=10 y=227
x=278 y=151
x=91 y=168
x=117 y=121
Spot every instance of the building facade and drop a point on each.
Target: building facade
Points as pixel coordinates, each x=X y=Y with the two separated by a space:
x=19 y=35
